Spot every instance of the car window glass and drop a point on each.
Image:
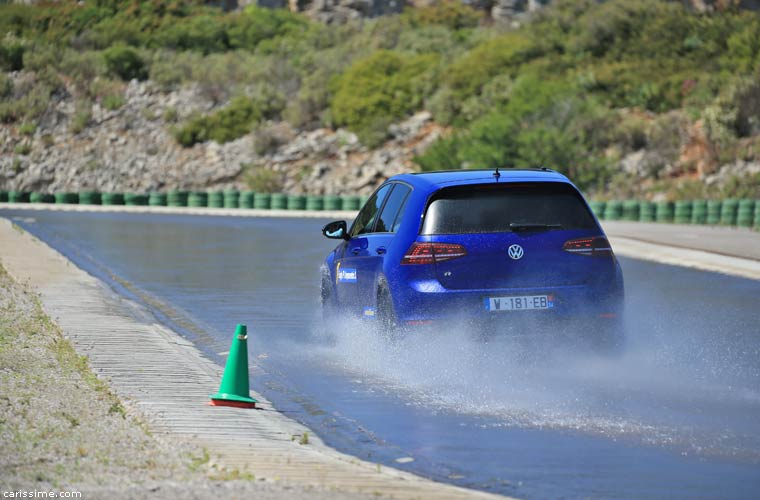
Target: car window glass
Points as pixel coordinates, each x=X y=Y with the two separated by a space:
x=366 y=218
x=491 y=209
x=386 y=221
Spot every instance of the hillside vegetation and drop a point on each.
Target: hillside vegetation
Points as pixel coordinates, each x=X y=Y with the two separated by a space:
x=628 y=97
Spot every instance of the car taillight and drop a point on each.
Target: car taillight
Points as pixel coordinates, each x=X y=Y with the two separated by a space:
x=596 y=247
x=428 y=253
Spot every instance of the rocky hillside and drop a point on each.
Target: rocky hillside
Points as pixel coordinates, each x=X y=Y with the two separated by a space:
x=642 y=98
x=131 y=148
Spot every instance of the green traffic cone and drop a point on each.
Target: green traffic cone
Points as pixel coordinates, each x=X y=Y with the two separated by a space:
x=234 y=390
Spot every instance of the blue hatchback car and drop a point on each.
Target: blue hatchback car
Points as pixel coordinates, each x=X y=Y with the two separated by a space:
x=481 y=245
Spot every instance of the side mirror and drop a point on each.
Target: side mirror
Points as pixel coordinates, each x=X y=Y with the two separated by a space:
x=337 y=230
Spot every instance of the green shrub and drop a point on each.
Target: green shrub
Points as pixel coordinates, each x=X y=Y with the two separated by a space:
x=233 y=121
x=82 y=116
x=743 y=46
x=734 y=113
x=170 y=114
x=441 y=155
x=23 y=148
x=83 y=68
x=171 y=69
x=6 y=87
x=467 y=75
x=113 y=101
x=11 y=56
x=27 y=128
x=29 y=104
x=379 y=89
x=125 y=62
x=257 y=24
x=452 y=14
x=430 y=39
x=543 y=124
x=262 y=180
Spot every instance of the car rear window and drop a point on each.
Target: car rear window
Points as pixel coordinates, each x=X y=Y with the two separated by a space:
x=493 y=208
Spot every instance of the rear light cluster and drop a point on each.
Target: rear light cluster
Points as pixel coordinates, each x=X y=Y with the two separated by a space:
x=595 y=247
x=429 y=253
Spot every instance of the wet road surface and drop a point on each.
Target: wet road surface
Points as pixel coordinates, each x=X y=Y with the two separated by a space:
x=677 y=415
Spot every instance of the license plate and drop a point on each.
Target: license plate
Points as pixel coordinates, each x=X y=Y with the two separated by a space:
x=519 y=303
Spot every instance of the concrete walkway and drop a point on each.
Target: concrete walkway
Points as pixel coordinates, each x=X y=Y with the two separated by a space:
x=167 y=379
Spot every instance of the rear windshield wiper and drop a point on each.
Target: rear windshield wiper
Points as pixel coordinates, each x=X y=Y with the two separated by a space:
x=514 y=226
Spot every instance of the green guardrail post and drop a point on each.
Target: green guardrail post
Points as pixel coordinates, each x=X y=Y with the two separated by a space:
x=351 y=203
x=296 y=202
x=745 y=213
x=246 y=199
x=176 y=198
x=136 y=199
x=713 y=211
x=757 y=214
x=3 y=196
x=157 y=199
x=232 y=198
x=631 y=210
x=112 y=198
x=216 y=199
x=262 y=201
x=18 y=197
x=647 y=211
x=664 y=211
x=682 y=212
x=699 y=212
x=90 y=198
x=613 y=210
x=279 y=201
x=197 y=199
x=67 y=198
x=728 y=212
x=315 y=203
x=333 y=202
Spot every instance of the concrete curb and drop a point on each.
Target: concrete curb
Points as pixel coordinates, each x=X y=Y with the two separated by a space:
x=169 y=381
x=676 y=256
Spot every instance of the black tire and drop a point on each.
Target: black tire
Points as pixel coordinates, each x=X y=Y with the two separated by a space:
x=328 y=302
x=385 y=315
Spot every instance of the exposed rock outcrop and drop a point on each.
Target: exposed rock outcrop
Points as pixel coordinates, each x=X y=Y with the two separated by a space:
x=132 y=149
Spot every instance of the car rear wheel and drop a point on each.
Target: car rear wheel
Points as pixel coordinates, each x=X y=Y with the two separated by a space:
x=328 y=302
x=386 y=317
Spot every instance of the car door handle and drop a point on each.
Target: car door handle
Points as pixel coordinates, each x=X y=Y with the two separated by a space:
x=381 y=250
x=356 y=251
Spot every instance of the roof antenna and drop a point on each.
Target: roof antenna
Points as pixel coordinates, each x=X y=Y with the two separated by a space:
x=497 y=174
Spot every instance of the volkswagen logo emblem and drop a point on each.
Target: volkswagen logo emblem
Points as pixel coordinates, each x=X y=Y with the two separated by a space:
x=515 y=252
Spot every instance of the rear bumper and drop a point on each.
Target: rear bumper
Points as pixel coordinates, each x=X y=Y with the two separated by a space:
x=428 y=301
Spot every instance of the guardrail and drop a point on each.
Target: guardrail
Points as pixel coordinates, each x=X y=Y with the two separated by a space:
x=729 y=212
x=195 y=199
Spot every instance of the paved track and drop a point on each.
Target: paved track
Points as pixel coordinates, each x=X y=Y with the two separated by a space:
x=169 y=381
x=734 y=251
